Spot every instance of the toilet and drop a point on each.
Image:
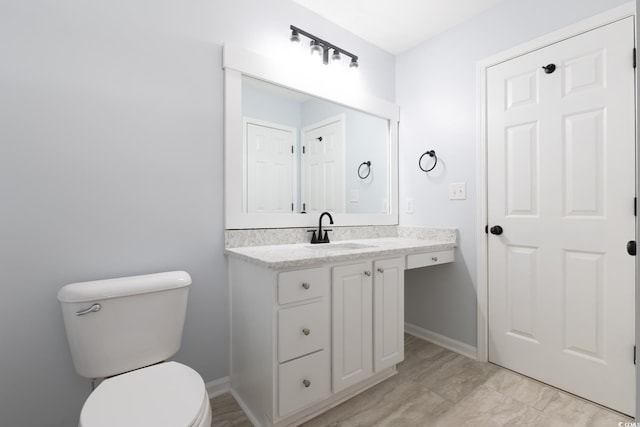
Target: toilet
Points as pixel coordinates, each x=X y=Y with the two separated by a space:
x=124 y=330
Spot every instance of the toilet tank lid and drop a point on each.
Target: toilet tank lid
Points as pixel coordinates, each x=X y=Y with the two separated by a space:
x=123 y=286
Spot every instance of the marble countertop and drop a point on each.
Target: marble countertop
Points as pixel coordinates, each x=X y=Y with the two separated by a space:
x=279 y=257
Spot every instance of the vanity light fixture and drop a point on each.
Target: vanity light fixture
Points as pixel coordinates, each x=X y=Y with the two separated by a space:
x=321 y=47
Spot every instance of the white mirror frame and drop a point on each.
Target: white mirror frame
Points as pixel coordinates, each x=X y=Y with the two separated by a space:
x=237 y=62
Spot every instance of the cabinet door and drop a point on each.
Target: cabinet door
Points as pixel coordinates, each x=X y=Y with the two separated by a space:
x=388 y=313
x=352 y=327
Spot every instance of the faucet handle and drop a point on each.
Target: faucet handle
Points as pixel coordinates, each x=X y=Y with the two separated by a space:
x=326 y=235
x=314 y=238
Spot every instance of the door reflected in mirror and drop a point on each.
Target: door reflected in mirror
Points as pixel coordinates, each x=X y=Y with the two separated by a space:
x=302 y=154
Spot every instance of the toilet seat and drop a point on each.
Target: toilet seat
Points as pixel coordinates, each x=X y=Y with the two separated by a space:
x=168 y=394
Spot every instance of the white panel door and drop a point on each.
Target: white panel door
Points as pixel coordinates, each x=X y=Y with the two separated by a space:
x=561 y=184
x=352 y=327
x=323 y=167
x=388 y=313
x=270 y=180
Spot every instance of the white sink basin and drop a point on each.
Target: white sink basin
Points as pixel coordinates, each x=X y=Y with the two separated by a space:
x=339 y=246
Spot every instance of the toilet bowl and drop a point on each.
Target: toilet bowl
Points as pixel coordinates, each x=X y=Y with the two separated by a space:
x=168 y=394
x=125 y=330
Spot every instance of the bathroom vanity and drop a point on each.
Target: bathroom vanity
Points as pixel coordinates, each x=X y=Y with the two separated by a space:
x=313 y=325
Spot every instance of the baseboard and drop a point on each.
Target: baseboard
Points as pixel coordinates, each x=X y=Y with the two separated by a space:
x=446 y=342
x=247 y=412
x=218 y=387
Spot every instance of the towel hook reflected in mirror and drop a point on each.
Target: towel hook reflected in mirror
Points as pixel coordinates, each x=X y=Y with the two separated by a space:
x=361 y=174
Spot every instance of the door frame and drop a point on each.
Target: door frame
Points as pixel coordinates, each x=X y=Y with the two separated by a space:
x=608 y=17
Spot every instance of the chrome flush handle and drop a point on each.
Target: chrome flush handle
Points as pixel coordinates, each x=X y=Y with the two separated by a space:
x=95 y=307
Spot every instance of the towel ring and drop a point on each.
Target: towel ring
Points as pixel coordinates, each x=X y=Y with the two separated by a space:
x=368 y=165
x=430 y=153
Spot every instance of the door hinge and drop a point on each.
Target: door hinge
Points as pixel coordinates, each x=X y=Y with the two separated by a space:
x=635 y=206
x=292 y=149
x=634 y=354
x=486 y=229
x=291 y=207
x=304 y=150
x=634 y=57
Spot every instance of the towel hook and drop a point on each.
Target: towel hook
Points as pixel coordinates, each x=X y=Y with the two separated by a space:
x=430 y=153
x=368 y=165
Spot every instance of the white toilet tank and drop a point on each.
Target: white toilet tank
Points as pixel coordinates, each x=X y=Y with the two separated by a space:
x=128 y=323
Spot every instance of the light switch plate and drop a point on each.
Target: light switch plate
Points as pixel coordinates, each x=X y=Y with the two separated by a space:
x=458 y=191
x=409 y=206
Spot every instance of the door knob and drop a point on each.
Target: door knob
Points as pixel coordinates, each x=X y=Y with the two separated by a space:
x=496 y=229
x=631 y=247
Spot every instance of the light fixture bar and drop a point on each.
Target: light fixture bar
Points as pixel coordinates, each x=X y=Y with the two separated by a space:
x=325 y=45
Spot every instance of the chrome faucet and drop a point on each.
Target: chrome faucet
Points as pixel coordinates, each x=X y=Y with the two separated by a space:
x=319 y=238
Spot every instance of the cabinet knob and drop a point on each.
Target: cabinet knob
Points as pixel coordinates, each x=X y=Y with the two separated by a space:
x=306 y=383
x=306 y=285
x=306 y=331
x=434 y=258
x=367 y=273
x=380 y=270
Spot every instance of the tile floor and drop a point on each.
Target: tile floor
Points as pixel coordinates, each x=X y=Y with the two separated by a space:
x=440 y=388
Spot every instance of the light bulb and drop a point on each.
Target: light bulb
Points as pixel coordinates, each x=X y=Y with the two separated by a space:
x=295 y=37
x=316 y=48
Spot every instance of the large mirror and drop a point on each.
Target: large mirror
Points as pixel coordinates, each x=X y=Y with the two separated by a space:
x=307 y=155
x=295 y=148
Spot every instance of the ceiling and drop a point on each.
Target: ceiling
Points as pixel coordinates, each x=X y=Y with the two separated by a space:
x=397 y=25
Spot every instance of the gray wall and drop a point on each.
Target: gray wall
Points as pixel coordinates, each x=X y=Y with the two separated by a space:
x=111 y=165
x=436 y=89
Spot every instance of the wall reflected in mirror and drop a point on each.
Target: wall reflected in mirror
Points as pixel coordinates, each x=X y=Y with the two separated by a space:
x=302 y=154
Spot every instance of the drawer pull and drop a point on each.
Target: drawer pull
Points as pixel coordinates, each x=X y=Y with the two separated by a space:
x=306 y=383
x=434 y=259
x=367 y=273
x=306 y=285
x=306 y=331
x=380 y=270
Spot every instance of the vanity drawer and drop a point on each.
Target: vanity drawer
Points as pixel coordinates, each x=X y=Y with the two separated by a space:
x=301 y=285
x=429 y=258
x=303 y=381
x=302 y=330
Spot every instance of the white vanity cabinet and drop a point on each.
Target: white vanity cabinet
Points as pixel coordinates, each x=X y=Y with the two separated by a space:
x=367 y=301
x=305 y=340
x=280 y=339
x=352 y=324
x=388 y=306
